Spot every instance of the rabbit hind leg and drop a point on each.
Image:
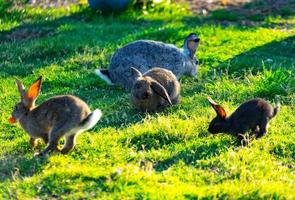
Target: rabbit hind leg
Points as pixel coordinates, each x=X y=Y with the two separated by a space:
x=69 y=144
x=70 y=140
x=262 y=127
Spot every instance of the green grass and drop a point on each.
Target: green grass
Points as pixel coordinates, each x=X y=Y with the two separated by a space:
x=168 y=155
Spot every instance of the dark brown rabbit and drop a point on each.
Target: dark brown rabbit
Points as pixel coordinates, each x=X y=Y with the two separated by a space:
x=252 y=115
x=155 y=89
x=61 y=116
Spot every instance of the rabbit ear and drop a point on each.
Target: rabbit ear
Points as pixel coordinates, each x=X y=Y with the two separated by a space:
x=192 y=47
x=21 y=89
x=34 y=89
x=136 y=73
x=213 y=103
x=219 y=109
x=191 y=43
x=160 y=90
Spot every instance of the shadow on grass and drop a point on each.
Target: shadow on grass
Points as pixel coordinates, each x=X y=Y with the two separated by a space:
x=17 y=166
x=56 y=184
x=273 y=64
x=276 y=54
x=51 y=42
x=190 y=155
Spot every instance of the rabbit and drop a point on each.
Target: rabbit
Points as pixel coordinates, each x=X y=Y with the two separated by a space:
x=145 y=54
x=252 y=115
x=154 y=90
x=60 y=116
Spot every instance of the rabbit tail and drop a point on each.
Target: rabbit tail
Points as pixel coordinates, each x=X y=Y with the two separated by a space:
x=91 y=120
x=104 y=75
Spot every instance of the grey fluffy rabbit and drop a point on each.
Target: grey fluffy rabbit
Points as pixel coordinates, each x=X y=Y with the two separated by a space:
x=60 y=116
x=145 y=54
x=154 y=90
x=252 y=115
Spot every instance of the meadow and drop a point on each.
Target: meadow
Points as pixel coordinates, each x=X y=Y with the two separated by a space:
x=132 y=155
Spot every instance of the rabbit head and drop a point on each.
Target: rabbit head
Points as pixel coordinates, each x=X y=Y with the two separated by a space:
x=220 y=123
x=28 y=99
x=147 y=92
x=190 y=45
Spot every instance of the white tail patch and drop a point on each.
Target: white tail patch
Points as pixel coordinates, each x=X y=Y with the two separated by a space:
x=93 y=119
x=103 y=77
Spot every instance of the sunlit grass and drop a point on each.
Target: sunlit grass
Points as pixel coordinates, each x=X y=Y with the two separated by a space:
x=133 y=155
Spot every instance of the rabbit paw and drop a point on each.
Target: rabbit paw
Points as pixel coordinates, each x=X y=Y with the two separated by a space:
x=65 y=150
x=40 y=154
x=33 y=142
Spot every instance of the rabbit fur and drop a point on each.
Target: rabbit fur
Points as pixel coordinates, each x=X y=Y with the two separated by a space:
x=60 y=116
x=145 y=54
x=252 y=115
x=154 y=90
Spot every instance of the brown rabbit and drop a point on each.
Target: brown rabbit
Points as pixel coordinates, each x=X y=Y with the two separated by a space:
x=155 y=89
x=251 y=115
x=60 y=116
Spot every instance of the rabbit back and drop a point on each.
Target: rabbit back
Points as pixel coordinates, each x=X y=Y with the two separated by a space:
x=168 y=80
x=144 y=55
x=251 y=114
x=65 y=110
x=156 y=101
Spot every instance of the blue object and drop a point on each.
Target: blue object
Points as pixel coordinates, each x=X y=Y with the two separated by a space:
x=109 y=5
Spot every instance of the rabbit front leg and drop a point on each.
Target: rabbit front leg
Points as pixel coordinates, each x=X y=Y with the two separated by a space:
x=55 y=134
x=240 y=133
x=51 y=146
x=242 y=139
x=45 y=138
x=34 y=141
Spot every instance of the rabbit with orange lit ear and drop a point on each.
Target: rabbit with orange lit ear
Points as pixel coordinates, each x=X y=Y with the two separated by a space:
x=61 y=116
x=251 y=115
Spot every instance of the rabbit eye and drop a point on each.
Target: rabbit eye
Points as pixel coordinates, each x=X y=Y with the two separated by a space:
x=197 y=62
